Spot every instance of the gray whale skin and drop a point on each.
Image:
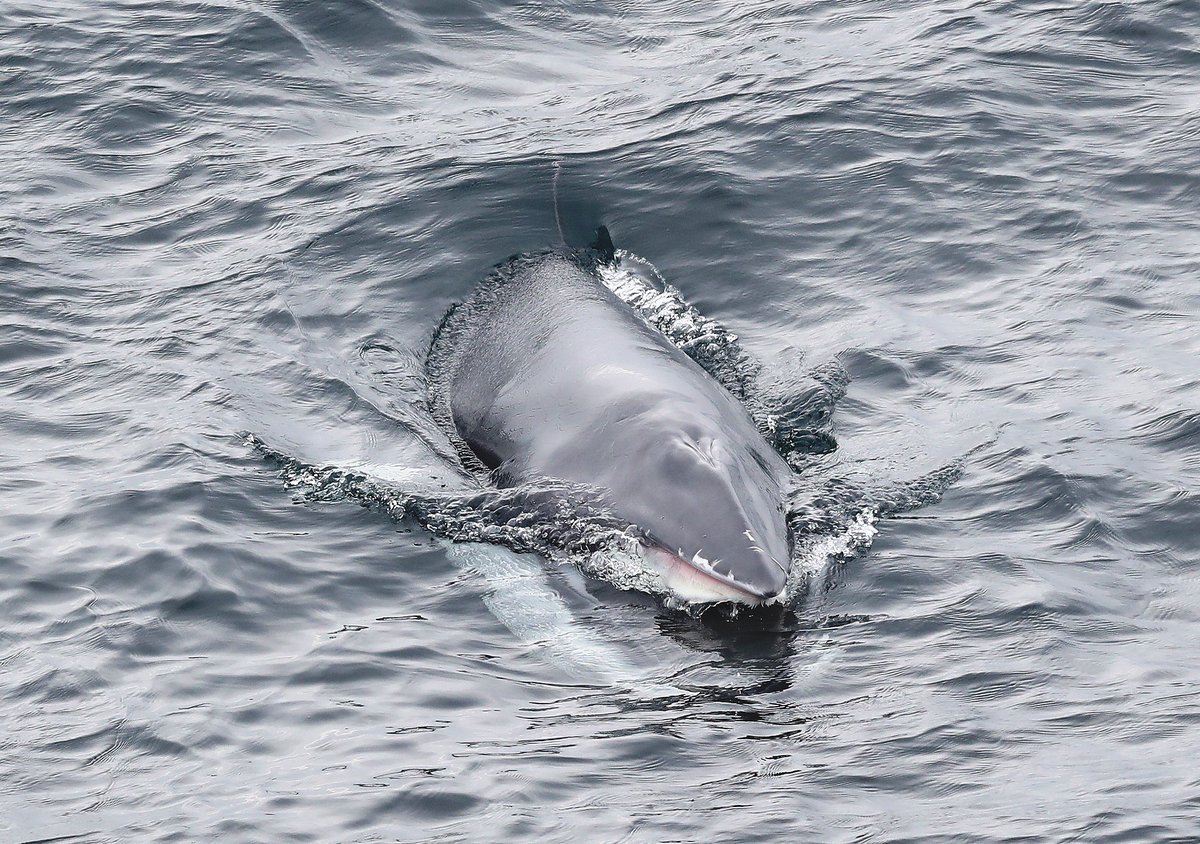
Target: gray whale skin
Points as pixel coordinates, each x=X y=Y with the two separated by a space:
x=544 y=373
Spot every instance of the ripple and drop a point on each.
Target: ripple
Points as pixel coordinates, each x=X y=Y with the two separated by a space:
x=934 y=227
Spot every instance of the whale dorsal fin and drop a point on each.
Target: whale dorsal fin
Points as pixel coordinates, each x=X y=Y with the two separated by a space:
x=603 y=244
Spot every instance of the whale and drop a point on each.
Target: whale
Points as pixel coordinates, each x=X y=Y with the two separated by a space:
x=543 y=373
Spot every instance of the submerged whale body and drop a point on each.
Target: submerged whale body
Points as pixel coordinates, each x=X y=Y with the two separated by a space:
x=544 y=373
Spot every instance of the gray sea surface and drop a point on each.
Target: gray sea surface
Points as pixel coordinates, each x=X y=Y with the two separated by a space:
x=222 y=219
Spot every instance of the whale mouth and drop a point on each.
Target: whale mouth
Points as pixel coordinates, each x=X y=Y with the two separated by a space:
x=695 y=581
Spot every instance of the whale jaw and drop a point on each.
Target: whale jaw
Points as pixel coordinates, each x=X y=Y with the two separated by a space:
x=697 y=583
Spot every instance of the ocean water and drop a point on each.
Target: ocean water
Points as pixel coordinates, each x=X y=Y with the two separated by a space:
x=231 y=220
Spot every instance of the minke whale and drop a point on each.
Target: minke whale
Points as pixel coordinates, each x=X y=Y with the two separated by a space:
x=544 y=373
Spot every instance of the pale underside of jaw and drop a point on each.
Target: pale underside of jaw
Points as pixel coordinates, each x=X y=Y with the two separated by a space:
x=695 y=581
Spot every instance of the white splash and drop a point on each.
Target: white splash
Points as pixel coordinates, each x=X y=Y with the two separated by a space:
x=815 y=557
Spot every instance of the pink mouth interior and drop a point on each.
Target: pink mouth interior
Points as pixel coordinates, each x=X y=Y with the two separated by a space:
x=686 y=578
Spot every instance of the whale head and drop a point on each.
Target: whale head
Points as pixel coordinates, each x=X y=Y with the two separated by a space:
x=711 y=516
